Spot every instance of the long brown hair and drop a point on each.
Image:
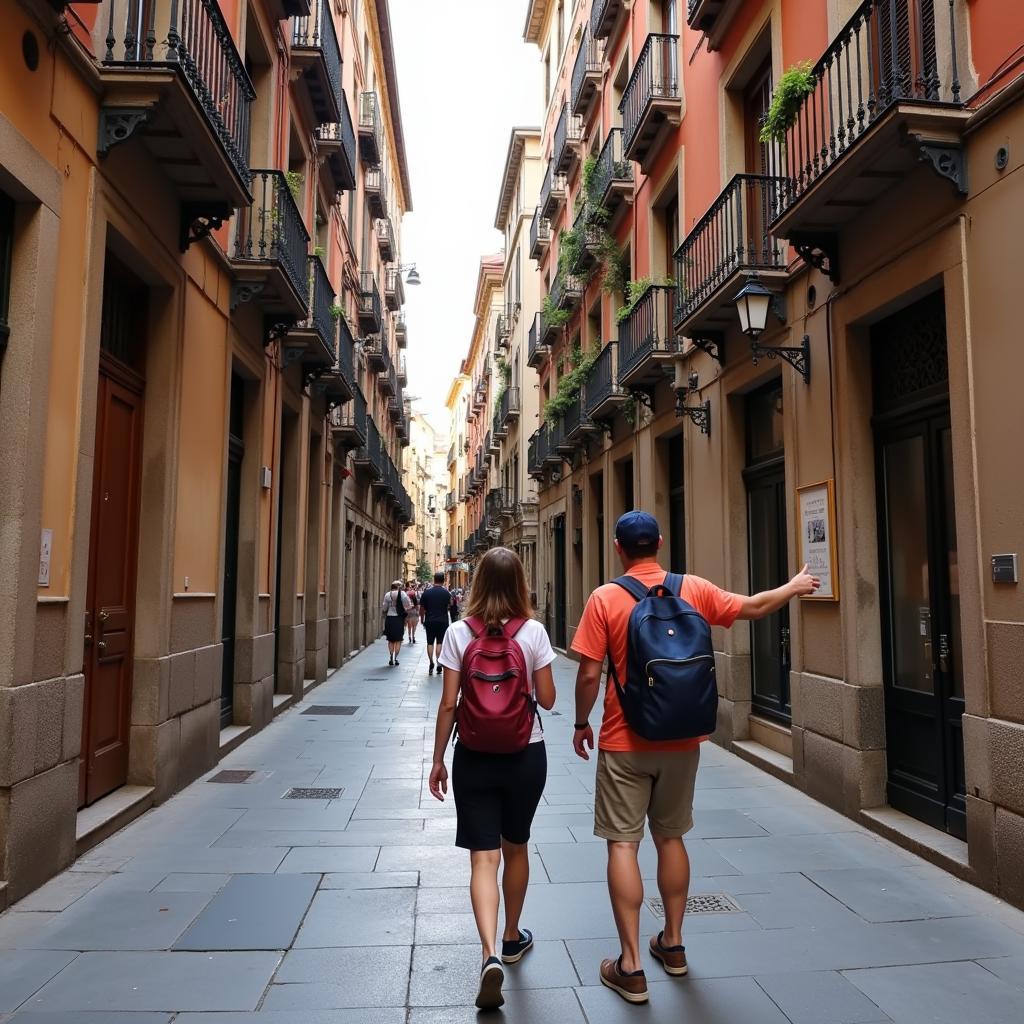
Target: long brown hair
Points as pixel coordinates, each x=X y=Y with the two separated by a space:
x=499 y=589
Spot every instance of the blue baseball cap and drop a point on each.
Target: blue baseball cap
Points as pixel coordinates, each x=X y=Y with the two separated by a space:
x=636 y=529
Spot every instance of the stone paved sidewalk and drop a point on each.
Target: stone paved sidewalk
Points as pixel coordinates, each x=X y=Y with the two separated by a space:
x=233 y=905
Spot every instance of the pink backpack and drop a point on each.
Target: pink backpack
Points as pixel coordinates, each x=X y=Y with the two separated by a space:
x=496 y=706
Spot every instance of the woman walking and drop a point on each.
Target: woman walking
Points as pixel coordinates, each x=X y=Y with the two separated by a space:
x=394 y=606
x=497 y=669
x=412 y=618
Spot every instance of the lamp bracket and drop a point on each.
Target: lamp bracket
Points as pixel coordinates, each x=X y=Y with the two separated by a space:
x=276 y=327
x=820 y=250
x=798 y=356
x=700 y=415
x=712 y=343
x=201 y=219
x=643 y=397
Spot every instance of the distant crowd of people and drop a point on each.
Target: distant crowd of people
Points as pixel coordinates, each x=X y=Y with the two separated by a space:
x=653 y=630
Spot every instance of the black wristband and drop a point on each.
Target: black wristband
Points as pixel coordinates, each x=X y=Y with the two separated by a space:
x=581 y=725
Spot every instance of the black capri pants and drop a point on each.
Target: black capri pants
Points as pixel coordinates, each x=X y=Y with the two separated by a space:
x=496 y=795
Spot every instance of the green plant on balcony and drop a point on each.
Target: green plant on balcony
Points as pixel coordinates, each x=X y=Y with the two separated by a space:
x=636 y=290
x=552 y=315
x=569 y=384
x=295 y=181
x=629 y=410
x=337 y=312
x=793 y=88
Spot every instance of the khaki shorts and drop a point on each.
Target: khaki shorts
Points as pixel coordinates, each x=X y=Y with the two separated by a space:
x=634 y=785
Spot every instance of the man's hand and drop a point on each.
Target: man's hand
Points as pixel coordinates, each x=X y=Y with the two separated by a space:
x=803 y=583
x=438 y=781
x=581 y=739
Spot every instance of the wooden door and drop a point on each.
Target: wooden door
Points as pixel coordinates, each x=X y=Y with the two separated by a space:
x=110 y=602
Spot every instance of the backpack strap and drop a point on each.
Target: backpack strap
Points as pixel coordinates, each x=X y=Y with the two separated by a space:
x=673 y=583
x=476 y=626
x=632 y=586
x=512 y=627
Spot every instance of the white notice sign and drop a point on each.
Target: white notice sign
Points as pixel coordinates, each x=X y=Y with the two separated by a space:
x=45 y=550
x=817 y=519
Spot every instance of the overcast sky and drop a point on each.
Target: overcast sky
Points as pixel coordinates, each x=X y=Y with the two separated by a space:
x=465 y=77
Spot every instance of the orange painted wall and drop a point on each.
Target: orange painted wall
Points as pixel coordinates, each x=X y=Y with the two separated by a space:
x=997 y=35
x=200 y=458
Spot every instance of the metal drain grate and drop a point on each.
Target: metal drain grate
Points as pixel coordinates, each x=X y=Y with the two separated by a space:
x=232 y=776
x=331 y=709
x=306 y=793
x=702 y=903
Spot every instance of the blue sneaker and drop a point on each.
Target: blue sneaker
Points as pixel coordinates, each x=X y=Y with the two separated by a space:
x=491 y=978
x=513 y=951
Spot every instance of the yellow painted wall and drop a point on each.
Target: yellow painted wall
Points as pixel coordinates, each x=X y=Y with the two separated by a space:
x=201 y=446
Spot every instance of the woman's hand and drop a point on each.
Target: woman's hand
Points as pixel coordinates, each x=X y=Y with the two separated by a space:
x=438 y=781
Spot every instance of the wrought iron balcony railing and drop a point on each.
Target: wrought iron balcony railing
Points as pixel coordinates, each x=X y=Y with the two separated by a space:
x=502 y=329
x=509 y=406
x=578 y=424
x=536 y=347
x=375 y=185
x=557 y=446
x=890 y=52
x=385 y=238
x=320 y=327
x=338 y=140
x=586 y=73
x=568 y=132
x=349 y=422
x=732 y=236
x=613 y=173
x=371 y=144
x=537 y=452
x=587 y=228
x=540 y=234
x=566 y=291
x=646 y=337
x=451 y=455
x=196 y=41
x=401 y=331
x=651 y=93
x=369 y=302
x=315 y=49
x=271 y=230
x=552 y=192
x=394 y=290
x=346 y=353
x=603 y=16
x=604 y=393
x=498 y=428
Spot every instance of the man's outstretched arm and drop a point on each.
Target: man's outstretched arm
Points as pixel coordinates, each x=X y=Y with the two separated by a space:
x=757 y=606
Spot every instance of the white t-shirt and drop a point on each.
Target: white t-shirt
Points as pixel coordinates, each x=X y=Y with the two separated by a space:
x=533 y=639
x=394 y=599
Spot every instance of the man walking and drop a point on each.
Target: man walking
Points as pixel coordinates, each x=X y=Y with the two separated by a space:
x=435 y=603
x=639 y=778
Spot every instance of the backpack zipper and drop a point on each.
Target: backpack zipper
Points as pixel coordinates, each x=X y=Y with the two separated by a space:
x=674 y=661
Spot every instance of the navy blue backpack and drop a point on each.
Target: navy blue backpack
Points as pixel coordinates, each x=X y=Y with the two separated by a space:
x=670 y=691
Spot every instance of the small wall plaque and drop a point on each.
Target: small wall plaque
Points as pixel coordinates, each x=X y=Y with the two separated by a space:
x=1004 y=568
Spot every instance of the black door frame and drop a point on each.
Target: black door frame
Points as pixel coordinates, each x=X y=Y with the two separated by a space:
x=560 y=578
x=232 y=525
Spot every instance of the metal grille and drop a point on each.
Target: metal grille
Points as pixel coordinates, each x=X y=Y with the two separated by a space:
x=301 y=793
x=232 y=776
x=701 y=903
x=909 y=353
x=331 y=709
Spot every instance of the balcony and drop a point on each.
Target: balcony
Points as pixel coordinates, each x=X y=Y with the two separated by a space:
x=492 y=446
x=450 y=502
x=886 y=100
x=185 y=94
x=385 y=238
x=401 y=335
x=270 y=254
x=313 y=341
x=498 y=429
x=394 y=290
x=604 y=18
x=376 y=351
x=494 y=503
x=586 y=74
x=729 y=241
x=369 y=308
x=651 y=106
x=400 y=370
x=568 y=134
x=348 y=424
x=387 y=379
x=337 y=141
x=346 y=354
x=712 y=17
x=537 y=349
x=451 y=456
x=552 y=192
x=375 y=186
x=566 y=291
x=558 y=446
x=537 y=452
x=316 y=54
x=502 y=331
x=371 y=139
x=508 y=408
x=579 y=427
x=479 y=396
x=540 y=235
x=613 y=177
x=337 y=384
x=588 y=231
x=370 y=457
x=604 y=395
x=647 y=342
x=395 y=407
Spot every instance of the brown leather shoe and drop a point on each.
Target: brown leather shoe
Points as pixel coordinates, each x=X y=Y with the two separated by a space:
x=632 y=987
x=673 y=958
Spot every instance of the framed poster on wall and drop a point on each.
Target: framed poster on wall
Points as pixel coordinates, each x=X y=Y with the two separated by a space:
x=816 y=518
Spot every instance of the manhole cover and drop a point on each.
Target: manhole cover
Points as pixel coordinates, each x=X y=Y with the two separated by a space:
x=331 y=709
x=232 y=775
x=300 y=793
x=702 y=903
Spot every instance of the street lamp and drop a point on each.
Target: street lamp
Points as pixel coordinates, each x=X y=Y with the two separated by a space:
x=753 y=302
x=413 y=275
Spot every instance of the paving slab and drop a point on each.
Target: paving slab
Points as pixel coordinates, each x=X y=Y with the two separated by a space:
x=359 y=917
x=820 y=997
x=880 y=894
x=24 y=972
x=252 y=912
x=324 y=979
x=547 y=1004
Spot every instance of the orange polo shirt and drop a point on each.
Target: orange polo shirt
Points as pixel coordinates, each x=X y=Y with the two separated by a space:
x=602 y=631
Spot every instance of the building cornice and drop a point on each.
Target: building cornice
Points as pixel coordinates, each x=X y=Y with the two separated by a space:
x=536 y=15
x=391 y=75
x=513 y=162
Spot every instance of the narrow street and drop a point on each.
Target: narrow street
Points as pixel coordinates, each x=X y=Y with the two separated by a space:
x=233 y=904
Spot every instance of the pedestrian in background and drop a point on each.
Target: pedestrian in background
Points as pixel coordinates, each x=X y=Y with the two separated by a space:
x=435 y=605
x=497 y=663
x=412 y=618
x=639 y=778
x=394 y=606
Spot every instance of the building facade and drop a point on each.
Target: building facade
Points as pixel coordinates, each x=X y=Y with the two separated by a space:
x=200 y=295
x=426 y=484
x=457 y=404
x=854 y=420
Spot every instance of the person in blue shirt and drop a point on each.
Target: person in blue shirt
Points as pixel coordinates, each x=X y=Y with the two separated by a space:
x=435 y=604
